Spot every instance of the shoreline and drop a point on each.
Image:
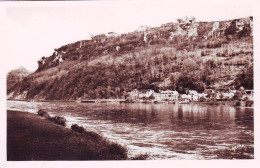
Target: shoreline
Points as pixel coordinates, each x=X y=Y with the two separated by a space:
x=235 y=103
x=31 y=137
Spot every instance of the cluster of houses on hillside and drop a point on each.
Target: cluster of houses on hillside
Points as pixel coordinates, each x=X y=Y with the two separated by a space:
x=191 y=95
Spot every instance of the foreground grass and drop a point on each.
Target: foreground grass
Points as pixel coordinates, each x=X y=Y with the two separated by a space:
x=30 y=137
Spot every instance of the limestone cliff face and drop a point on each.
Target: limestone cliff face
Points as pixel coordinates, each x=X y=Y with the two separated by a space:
x=106 y=44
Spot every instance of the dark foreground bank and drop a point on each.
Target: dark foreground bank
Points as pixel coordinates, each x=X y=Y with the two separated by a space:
x=30 y=137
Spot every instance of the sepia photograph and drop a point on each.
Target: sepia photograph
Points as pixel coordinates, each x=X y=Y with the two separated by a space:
x=129 y=81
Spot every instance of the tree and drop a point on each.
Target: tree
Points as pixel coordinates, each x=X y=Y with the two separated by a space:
x=174 y=80
x=221 y=95
x=117 y=91
x=245 y=79
x=231 y=29
x=238 y=95
x=189 y=81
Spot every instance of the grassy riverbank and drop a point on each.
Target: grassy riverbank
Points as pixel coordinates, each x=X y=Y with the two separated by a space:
x=30 y=137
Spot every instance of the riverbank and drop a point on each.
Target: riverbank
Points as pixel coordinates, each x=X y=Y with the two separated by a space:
x=237 y=103
x=30 y=137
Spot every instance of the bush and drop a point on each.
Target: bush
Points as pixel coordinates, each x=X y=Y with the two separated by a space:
x=249 y=103
x=58 y=120
x=237 y=103
x=140 y=157
x=93 y=135
x=43 y=114
x=77 y=128
x=203 y=53
x=117 y=149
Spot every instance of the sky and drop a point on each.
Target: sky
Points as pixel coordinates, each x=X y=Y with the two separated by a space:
x=34 y=29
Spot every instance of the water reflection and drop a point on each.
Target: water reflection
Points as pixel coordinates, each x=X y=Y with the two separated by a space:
x=245 y=118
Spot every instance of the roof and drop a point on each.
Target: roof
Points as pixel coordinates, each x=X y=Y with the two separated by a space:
x=208 y=91
x=169 y=92
x=193 y=92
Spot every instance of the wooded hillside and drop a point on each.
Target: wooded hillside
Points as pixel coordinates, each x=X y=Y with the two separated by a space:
x=178 y=56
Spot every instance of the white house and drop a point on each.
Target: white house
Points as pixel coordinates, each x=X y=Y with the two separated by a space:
x=169 y=95
x=250 y=94
x=225 y=94
x=134 y=94
x=202 y=95
x=146 y=94
x=157 y=96
x=194 y=95
x=192 y=92
x=186 y=97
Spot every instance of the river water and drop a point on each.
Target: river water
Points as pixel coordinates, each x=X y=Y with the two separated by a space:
x=162 y=131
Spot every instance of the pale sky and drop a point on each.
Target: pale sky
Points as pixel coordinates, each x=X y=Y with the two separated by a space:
x=33 y=29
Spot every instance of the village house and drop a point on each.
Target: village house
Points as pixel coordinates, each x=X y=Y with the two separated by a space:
x=169 y=95
x=186 y=98
x=195 y=98
x=157 y=96
x=209 y=92
x=134 y=94
x=192 y=92
x=249 y=94
x=230 y=94
x=202 y=96
x=146 y=94
x=220 y=95
x=194 y=95
x=225 y=94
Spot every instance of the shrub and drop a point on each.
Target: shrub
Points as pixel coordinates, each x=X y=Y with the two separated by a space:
x=140 y=157
x=203 y=53
x=117 y=149
x=43 y=114
x=249 y=103
x=93 y=135
x=77 y=128
x=237 y=103
x=58 y=120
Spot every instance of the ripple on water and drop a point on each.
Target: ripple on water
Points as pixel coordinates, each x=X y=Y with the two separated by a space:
x=159 y=130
